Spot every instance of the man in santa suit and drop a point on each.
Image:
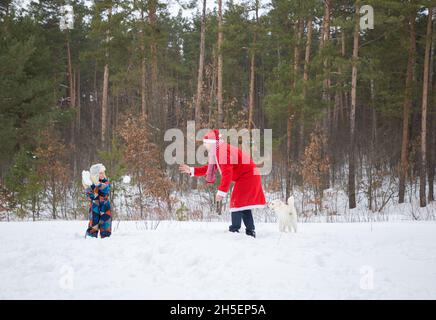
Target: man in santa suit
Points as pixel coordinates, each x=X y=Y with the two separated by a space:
x=234 y=166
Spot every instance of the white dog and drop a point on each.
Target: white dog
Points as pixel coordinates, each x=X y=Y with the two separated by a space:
x=286 y=214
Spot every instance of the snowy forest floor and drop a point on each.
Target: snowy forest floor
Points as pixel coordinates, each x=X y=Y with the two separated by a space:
x=200 y=260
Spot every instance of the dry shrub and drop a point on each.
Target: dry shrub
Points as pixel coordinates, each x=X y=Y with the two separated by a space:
x=273 y=185
x=196 y=215
x=315 y=166
x=158 y=213
x=142 y=159
x=5 y=198
x=52 y=166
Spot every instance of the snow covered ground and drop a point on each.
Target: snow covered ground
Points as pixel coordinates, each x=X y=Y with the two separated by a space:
x=188 y=260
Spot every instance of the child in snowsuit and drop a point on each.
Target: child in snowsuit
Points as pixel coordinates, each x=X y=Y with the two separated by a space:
x=100 y=218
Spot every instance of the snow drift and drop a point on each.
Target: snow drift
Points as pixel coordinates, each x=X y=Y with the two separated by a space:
x=188 y=260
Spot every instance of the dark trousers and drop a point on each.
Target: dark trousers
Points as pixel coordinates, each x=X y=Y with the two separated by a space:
x=244 y=215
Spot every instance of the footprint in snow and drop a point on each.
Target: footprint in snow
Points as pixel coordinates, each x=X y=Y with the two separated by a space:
x=320 y=260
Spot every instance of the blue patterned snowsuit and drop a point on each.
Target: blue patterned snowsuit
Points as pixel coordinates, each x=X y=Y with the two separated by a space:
x=100 y=217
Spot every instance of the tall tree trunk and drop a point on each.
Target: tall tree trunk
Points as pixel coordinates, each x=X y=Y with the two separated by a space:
x=78 y=115
x=307 y=55
x=212 y=91
x=404 y=167
x=220 y=66
x=431 y=157
x=372 y=153
x=324 y=42
x=251 y=91
x=288 y=154
x=352 y=147
x=309 y=28
x=337 y=93
x=343 y=95
x=54 y=197
x=199 y=96
x=104 y=105
x=291 y=108
x=144 y=110
x=71 y=92
x=78 y=102
x=94 y=101
x=105 y=93
x=152 y=20
x=422 y=176
x=432 y=127
x=143 y=87
x=252 y=73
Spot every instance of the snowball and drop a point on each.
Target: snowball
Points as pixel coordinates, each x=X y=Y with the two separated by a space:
x=126 y=179
x=86 y=178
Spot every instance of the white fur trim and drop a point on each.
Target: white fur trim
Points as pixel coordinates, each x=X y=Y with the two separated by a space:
x=254 y=206
x=191 y=171
x=221 y=193
x=213 y=141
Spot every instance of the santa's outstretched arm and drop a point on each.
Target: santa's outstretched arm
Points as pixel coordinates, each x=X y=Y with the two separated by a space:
x=193 y=171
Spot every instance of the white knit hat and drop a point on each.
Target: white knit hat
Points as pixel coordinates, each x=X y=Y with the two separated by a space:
x=95 y=171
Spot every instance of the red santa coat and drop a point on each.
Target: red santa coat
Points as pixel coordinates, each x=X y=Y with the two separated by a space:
x=247 y=192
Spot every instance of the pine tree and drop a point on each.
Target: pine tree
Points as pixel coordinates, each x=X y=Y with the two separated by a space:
x=425 y=89
x=407 y=105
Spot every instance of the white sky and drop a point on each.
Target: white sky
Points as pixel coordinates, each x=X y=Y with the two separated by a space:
x=175 y=5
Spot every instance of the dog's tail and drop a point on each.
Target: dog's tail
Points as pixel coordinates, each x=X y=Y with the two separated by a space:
x=291 y=201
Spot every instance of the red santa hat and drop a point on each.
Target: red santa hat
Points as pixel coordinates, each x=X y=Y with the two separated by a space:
x=213 y=136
